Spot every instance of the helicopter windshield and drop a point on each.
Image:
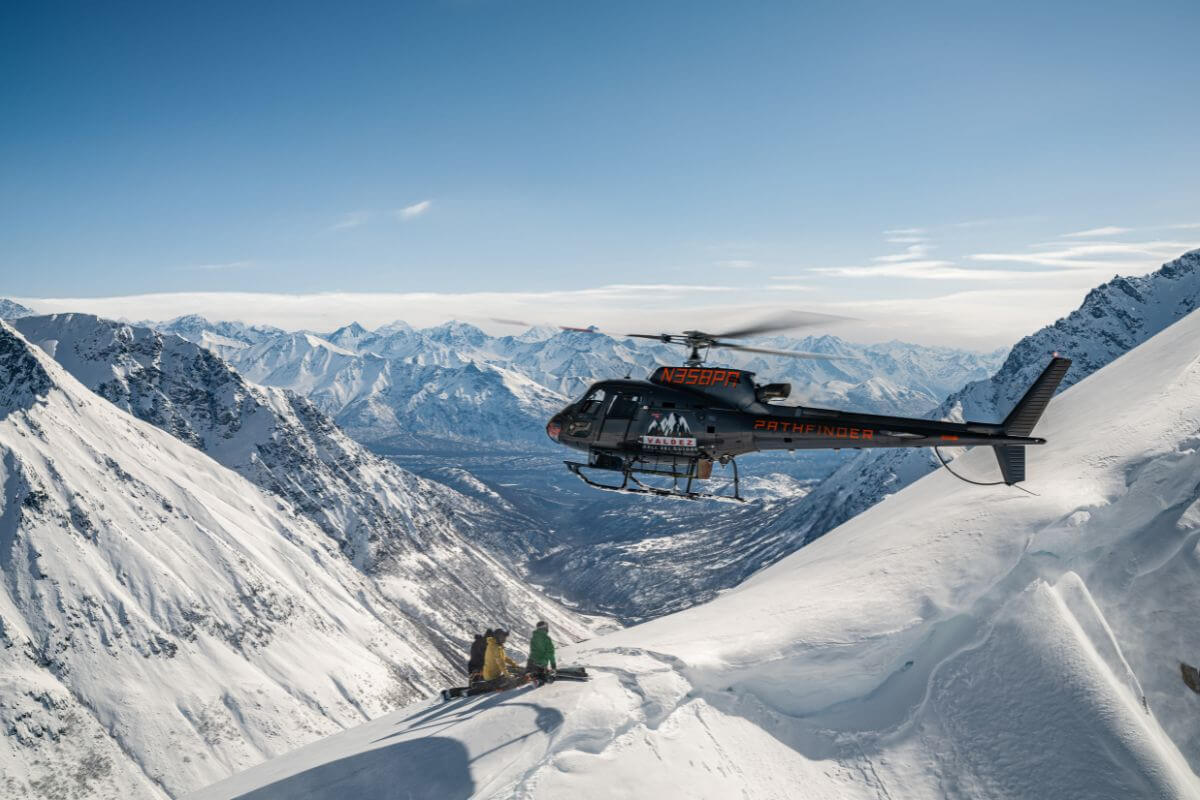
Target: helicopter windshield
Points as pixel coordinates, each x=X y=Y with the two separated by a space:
x=591 y=402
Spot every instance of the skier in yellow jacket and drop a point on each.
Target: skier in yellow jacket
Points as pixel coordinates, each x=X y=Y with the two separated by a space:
x=496 y=662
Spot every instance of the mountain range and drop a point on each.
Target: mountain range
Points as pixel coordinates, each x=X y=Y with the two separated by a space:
x=398 y=388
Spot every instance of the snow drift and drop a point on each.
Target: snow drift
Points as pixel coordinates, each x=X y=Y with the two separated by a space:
x=952 y=641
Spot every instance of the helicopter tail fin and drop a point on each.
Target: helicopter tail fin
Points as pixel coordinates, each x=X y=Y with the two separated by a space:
x=1025 y=415
x=1029 y=410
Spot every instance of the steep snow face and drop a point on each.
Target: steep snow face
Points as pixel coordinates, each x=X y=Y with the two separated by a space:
x=954 y=641
x=10 y=310
x=164 y=621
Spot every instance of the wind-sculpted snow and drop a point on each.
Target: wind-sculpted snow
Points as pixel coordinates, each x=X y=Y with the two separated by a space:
x=164 y=621
x=955 y=641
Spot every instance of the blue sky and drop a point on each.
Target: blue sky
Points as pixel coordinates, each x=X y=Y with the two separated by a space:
x=922 y=166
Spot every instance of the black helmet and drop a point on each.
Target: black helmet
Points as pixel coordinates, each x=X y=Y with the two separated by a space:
x=544 y=624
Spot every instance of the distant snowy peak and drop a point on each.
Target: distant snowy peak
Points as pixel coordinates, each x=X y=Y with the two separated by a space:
x=349 y=336
x=10 y=310
x=194 y=327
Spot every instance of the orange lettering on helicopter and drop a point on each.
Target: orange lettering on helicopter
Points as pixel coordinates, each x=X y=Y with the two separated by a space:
x=697 y=376
x=826 y=431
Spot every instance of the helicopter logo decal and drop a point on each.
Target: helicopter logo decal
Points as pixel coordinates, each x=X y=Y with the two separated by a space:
x=670 y=433
x=672 y=425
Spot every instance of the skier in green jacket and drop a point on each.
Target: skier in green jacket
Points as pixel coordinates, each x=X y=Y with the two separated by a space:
x=541 y=664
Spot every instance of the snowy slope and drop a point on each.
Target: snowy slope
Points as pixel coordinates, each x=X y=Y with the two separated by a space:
x=165 y=622
x=954 y=641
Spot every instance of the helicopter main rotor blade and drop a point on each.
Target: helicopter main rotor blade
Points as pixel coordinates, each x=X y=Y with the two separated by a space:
x=782 y=322
x=788 y=353
x=658 y=337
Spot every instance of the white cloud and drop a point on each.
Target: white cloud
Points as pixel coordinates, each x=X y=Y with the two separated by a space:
x=1107 y=230
x=982 y=318
x=736 y=263
x=1093 y=255
x=350 y=220
x=415 y=210
x=914 y=252
x=921 y=270
x=904 y=235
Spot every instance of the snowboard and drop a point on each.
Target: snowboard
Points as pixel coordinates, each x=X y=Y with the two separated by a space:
x=572 y=674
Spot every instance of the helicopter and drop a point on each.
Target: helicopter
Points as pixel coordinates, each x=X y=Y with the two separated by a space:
x=684 y=419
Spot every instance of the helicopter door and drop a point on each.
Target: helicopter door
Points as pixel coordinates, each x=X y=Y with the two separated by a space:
x=621 y=411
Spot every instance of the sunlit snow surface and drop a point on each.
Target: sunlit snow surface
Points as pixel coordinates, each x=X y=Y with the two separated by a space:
x=952 y=641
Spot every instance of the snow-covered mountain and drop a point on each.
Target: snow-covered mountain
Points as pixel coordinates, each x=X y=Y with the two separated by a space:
x=404 y=403
x=166 y=621
x=279 y=440
x=10 y=310
x=955 y=641
x=223 y=338
x=402 y=388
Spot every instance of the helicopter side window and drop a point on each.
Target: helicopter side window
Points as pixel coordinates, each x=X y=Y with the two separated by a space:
x=592 y=403
x=624 y=406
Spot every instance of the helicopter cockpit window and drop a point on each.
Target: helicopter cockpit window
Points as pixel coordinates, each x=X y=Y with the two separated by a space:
x=590 y=404
x=624 y=406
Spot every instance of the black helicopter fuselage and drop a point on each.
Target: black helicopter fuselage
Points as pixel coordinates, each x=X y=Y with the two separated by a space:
x=685 y=416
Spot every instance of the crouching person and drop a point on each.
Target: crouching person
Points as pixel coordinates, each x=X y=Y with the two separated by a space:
x=499 y=671
x=542 y=664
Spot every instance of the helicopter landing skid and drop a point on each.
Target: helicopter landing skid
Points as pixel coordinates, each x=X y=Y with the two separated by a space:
x=638 y=487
